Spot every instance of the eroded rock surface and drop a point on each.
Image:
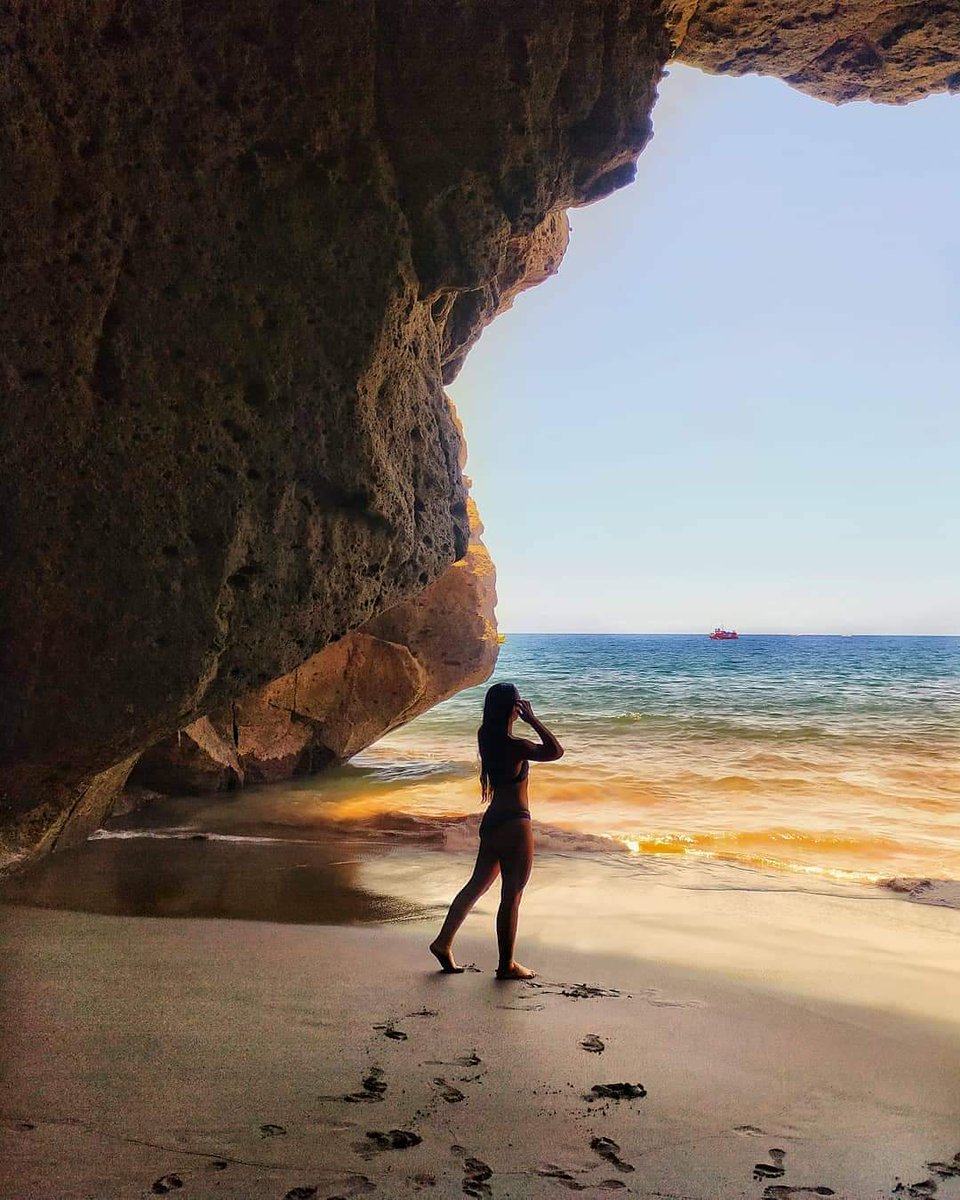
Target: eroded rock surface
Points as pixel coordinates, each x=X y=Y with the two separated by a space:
x=855 y=50
x=241 y=244
x=347 y=696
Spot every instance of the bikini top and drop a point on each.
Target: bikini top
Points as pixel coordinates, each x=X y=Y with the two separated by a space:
x=499 y=780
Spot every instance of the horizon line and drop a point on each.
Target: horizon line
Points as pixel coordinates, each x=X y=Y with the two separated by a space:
x=700 y=633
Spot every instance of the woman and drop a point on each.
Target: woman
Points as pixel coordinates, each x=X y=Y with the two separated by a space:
x=506 y=839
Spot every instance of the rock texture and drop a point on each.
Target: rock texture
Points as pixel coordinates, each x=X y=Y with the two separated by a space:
x=855 y=50
x=347 y=696
x=242 y=243
x=66 y=819
x=243 y=246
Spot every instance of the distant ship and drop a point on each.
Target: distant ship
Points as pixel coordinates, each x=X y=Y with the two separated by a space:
x=724 y=635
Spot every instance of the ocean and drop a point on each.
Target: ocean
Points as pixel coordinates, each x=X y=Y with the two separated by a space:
x=832 y=757
x=798 y=762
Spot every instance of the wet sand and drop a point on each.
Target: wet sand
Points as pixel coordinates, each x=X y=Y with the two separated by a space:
x=211 y=1056
x=298 y=882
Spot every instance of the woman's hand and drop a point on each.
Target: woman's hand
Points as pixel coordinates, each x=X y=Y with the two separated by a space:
x=549 y=749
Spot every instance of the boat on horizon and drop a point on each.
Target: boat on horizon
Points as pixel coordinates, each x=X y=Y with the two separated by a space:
x=724 y=635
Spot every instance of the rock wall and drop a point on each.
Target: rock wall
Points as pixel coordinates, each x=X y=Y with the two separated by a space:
x=855 y=50
x=244 y=243
x=350 y=694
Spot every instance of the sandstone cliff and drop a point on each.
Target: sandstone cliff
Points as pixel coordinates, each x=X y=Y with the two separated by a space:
x=857 y=50
x=243 y=245
x=347 y=696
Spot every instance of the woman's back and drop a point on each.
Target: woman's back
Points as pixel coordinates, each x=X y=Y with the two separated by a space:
x=503 y=765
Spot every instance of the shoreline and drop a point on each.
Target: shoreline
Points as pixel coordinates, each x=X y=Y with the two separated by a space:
x=869 y=946
x=138 y=1048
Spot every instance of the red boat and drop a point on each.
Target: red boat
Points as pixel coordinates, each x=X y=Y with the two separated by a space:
x=724 y=635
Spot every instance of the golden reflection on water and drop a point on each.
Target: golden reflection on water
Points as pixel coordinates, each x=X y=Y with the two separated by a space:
x=859 y=819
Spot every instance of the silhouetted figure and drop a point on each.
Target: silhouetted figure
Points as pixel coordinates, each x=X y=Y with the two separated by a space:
x=506 y=838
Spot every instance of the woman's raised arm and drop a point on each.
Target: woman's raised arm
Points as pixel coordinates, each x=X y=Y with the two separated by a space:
x=549 y=749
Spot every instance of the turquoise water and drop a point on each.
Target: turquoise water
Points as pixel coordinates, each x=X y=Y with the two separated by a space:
x=833 y=756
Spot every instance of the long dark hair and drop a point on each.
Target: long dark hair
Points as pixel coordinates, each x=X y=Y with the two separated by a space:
x=498 y=706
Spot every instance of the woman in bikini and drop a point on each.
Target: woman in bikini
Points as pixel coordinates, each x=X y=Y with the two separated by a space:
x=506 y=839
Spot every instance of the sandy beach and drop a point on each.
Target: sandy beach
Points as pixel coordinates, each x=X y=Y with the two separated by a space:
x=210 y=1056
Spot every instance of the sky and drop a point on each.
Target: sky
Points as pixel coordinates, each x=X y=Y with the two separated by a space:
x=738 y=402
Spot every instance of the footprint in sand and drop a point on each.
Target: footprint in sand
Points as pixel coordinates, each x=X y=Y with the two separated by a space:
x=610 y=1185
x=424 y=1012
x=463 y=1060
x=616 y=1091
x=451 y=1094
x=218 y=1164
x=946 y=1170
x=916 y=1191
x=574 y=991
x=608 y=1150
x=585 y=991
x=564 y=1178
x=772 y=1170
x=394 y=1139
x=593 y=1044
x=373 y=1088
x=301 y=1193
x=272 y=1131
x=166 y=1183
x=779 y=1191
x=475 y=1175
x=388 y=1031
x=748 y=1130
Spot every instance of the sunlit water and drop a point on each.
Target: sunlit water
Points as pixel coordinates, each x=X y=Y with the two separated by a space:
x=818 y=760
x=835 y=756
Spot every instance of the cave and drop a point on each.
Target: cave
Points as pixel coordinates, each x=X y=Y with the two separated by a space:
x=245 y=249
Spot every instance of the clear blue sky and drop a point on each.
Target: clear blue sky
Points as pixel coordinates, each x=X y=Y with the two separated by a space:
x=739 y=400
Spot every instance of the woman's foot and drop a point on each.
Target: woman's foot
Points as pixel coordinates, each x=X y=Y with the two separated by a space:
x=515 y=970
x=444 y=957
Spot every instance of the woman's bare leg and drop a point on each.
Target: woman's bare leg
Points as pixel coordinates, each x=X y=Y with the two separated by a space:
x=484 y=873
x=515 y=844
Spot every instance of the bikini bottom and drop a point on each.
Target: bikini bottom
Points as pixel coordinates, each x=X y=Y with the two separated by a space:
x=493 y=818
